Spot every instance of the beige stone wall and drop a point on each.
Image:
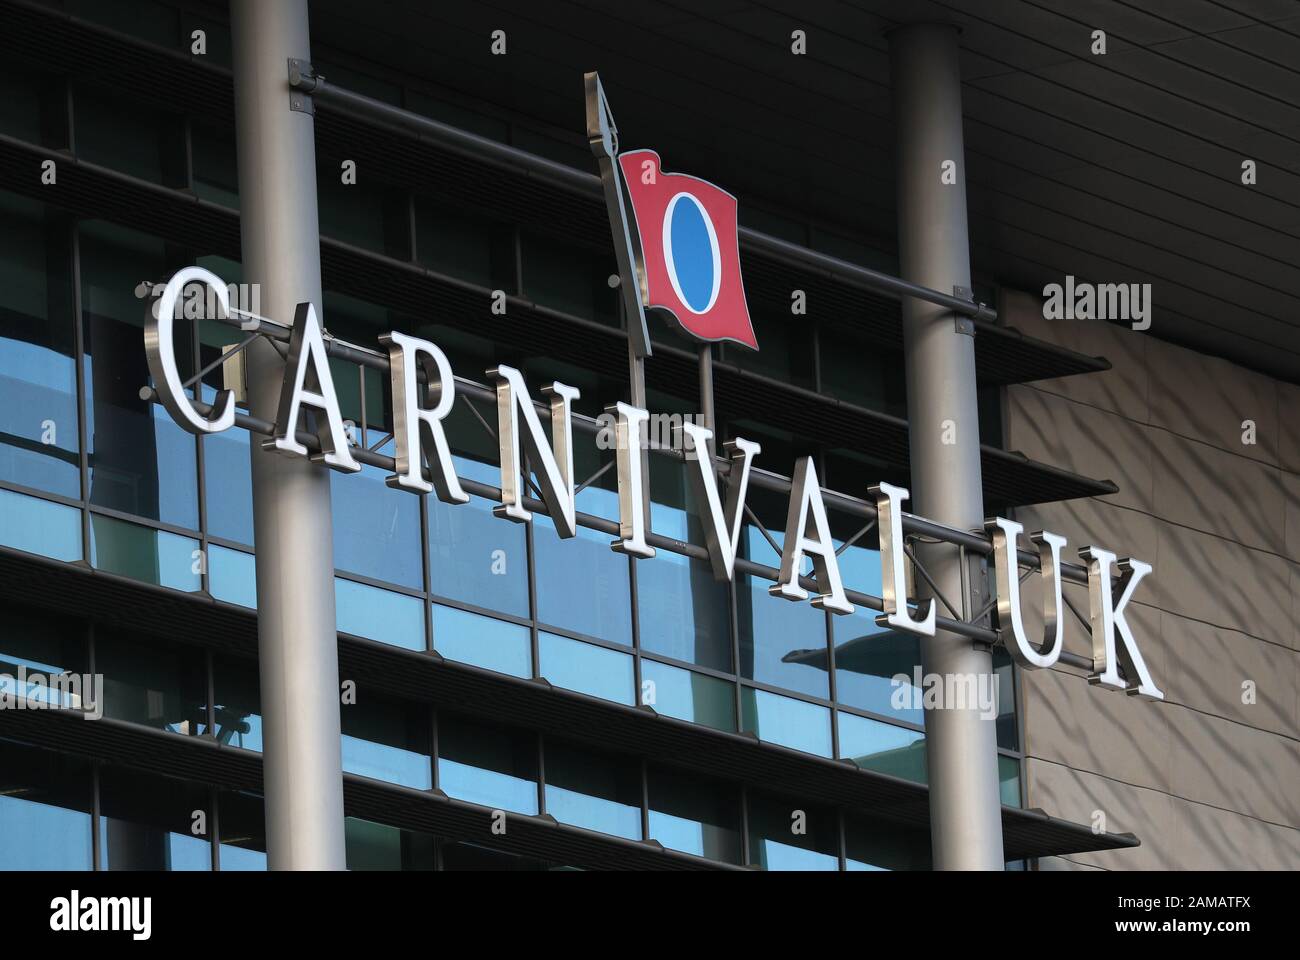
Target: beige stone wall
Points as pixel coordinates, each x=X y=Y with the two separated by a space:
x=1205 y=780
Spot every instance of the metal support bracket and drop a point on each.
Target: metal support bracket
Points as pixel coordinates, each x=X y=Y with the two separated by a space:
x=965 y=325
x=302 y=81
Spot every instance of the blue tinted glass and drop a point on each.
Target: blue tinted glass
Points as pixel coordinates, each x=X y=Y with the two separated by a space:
x=38 y=376
x=482 y=641
x=44 y=810
x=684 y=611
x=366 y=611
x=238 y=703
x=1008 y=734
x=585 y=667
x=781 y=642
x=376 y=527
x=40 y=526
x=228 y=482
x=868 y=657
x=883 y=747
x=791 y=723
x=141 y=462
x=597 y=792
x=686 y=695
x=694 y=815
x=788 y=834
x=582 y=585
x=241 y=859
x=475 y=557
x=885 y=845
x=232 y=576
x=142 y=553
x=388 y=740
x=487 y=765
x=242 y=831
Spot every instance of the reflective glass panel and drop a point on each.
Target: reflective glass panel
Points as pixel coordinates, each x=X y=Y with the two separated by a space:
x=34 y=647
x=147 y=822
x=585 y=667
x=238 y=703
x=687 y=695
x=599 y=792
x=45 y=802
x=787 y=834
x=376 y=527
x=884 y=845
x=694 y=815
x=874 y=745
x=39 y=446
x=232 y=576
x=784 y=720
x=388 y=739
x=40 y=526
x=143 y=553
x=366 y=611
x=377 y=846
x=482 y=641
x=157 y=684
x=491 y=766
x=243 y=831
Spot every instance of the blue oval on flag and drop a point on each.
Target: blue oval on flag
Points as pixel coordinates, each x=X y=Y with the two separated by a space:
x=691 y=253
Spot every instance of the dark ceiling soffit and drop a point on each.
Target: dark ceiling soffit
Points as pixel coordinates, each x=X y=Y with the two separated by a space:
x=77 y=590
x=527 y=182
x=91 y=191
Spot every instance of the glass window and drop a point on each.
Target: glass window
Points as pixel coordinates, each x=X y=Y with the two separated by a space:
x=366 y=611
x=788 y=834
x=868 y=657
x=141 y=462
x=232 y=576
x=1008 y=734
x=243 y=831
x=36 y=643
x=694 y=815
x=585 y=667
x=39 y=446
x=685 y=613
x=487 y=765
x=568 y=279
x=687 y=695
x=143 y=553
x=377 y=846
x=160 y=685
x=45 y=803
x=599 y=792
x=883 y=747
x=583 y=585
x=453 y=243
x=474 y=556
x=784 y=720
x=238 y=707
x=1009 y=776
x=781 y=642
x=388 y=739
x=40 y=526
x=885 y=845
x=147 y=822
x=376 y=527
x=483 y=641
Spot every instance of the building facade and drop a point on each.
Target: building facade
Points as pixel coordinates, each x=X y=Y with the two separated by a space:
x=510 y=699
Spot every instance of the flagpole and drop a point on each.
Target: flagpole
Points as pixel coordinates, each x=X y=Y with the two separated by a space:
x=706 y=394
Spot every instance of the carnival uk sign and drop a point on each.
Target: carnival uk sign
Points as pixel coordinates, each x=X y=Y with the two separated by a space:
x=423 y=464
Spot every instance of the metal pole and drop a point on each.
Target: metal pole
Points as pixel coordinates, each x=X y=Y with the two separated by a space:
x=706 y=395
x=939 y=352
x=297 y=637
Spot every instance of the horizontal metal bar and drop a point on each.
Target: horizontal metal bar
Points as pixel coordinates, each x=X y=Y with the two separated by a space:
x=503 y=156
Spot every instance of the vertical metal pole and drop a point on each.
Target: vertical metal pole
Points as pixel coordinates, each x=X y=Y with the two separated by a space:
x=965 y=806
x=291 y=498
x=706 y=395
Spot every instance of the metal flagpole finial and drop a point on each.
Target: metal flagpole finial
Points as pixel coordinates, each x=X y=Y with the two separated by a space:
x=602 y=134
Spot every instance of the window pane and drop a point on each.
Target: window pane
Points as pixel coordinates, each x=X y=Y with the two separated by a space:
x=885 y=845
x=238 y=703
x=787 y=834
x=482 y=641
x=784 y=720
x=694 y=815
x=684 y=612
x=35 y=642
x=147 y=822
x=228 y=481
x=160 y=685
x=585 y=667
x=366 y=611
x=781 y=643
x=243 y=831
x=883 y=747
x=377 y=846
x=388 y=739
x=599 y=792
x=688 y=695
x=40 y=526
x=44 y=810
x=491 y=766
x=141 y=462
x=475 y=557
x=1009 y=775
x=376 y=527
x=1008 y=733
x=143 y=553
x=38 y=374
x=232 y=576
x=582 y=585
